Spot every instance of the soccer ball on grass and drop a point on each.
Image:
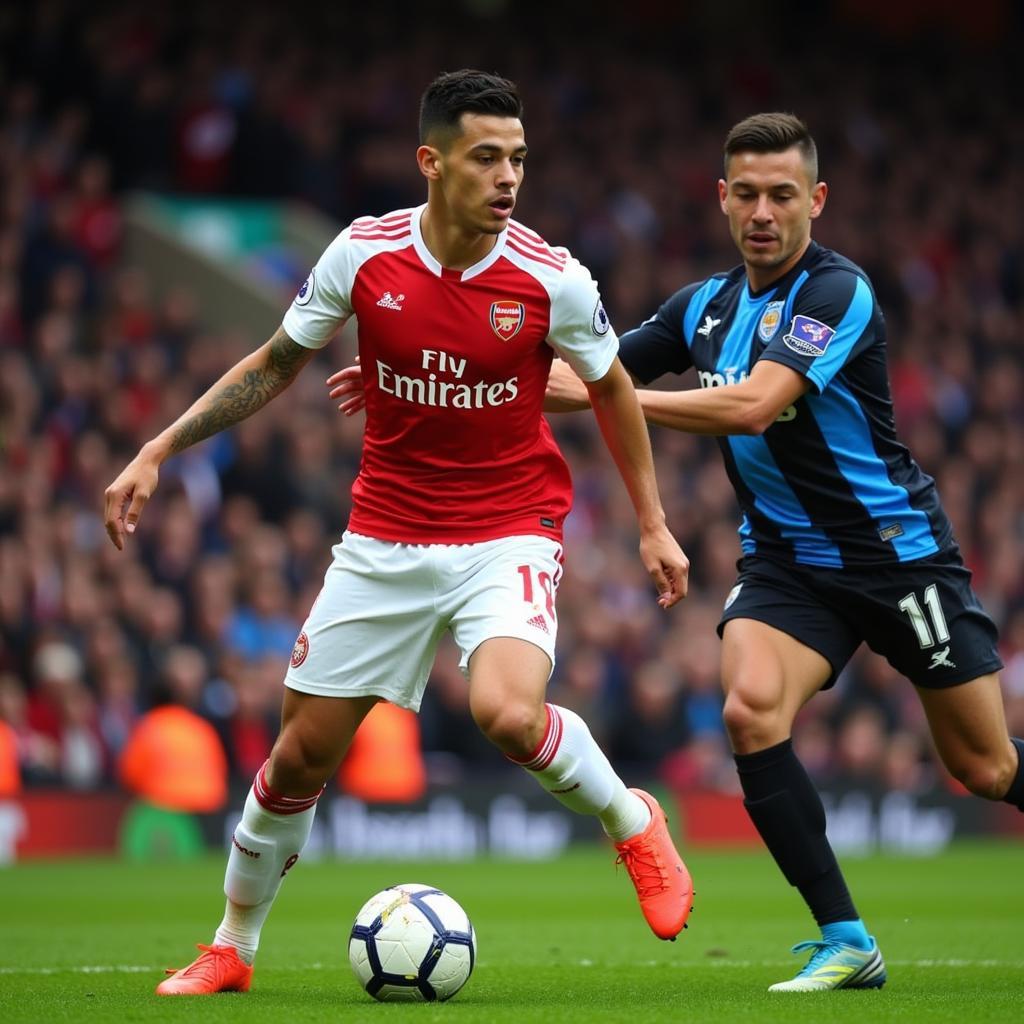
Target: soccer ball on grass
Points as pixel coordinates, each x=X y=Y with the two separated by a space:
x=412 y=942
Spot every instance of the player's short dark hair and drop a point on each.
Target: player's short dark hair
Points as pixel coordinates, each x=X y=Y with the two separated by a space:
x=455 y=93
x=772 y=133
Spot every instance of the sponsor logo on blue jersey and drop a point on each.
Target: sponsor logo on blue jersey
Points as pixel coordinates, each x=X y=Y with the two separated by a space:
x=808 y=337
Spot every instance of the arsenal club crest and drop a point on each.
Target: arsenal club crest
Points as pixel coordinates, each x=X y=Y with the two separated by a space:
x=507 y=318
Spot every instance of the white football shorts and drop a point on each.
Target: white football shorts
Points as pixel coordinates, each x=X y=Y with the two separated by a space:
x=375 y=626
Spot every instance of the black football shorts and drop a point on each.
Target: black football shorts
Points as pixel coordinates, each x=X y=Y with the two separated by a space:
x=922 y=616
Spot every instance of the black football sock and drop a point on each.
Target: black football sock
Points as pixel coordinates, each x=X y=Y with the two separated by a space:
x=1015 y=794
x=786 y=809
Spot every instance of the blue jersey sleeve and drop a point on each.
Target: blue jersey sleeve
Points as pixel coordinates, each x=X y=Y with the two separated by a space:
x=833 y=318
x=659 y=345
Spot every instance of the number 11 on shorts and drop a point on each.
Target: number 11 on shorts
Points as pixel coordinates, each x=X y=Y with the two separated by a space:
x=919 y=620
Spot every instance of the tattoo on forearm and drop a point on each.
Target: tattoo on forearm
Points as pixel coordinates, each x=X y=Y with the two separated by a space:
x=286 y=358
x=237 y=401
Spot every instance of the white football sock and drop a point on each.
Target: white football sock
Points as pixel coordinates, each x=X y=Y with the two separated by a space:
x=572 y=768
x=265 y=845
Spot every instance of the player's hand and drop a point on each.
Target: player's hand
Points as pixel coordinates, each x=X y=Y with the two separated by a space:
x=126 y=496
x=565 y=392
x=347 y=385
x=663 y=558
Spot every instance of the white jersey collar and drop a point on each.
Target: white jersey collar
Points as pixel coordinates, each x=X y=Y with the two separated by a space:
x=430 y=262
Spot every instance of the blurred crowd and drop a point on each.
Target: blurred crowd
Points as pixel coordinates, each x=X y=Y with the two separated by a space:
x=625 y=118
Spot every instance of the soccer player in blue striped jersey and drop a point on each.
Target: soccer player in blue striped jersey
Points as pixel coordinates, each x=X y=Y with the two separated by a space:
x=844 y=539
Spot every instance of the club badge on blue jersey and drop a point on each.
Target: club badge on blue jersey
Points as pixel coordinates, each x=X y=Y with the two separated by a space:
x=770 y=319
x=808 y=337
x=307 y=289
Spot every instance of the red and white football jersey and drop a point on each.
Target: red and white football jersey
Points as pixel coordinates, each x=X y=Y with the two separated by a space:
x=455 y=363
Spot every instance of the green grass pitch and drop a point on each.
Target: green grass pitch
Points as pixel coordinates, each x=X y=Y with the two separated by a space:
x=558 y=941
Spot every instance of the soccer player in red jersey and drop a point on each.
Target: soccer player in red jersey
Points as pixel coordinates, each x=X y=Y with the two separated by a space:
x=457 y=510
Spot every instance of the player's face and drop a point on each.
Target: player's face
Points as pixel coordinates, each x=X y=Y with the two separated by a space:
x=479 y=172
x=770 y=202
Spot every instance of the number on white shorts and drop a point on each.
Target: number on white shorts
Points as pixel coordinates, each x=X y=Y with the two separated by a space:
x=544 y=580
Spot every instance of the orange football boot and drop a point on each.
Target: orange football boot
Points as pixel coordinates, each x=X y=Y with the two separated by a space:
x=662 y=882
x=216 y=969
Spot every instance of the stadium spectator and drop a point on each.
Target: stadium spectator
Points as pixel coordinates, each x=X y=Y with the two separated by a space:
x=175 y=760
x=247 y=711
x=10 y=766
x=38 y=754
x=385 y=762
x=57 y=669
x=117 y=688
x=262 y=625
x=84 y=758
x=653 y=724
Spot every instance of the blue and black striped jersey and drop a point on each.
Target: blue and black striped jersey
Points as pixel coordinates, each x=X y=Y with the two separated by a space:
x=828 y=483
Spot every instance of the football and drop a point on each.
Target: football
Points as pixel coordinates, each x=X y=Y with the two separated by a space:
x=412 y=942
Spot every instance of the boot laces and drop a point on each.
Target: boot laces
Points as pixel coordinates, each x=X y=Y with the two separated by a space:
x=645 y=869
x=822 y=951
x=204 y=966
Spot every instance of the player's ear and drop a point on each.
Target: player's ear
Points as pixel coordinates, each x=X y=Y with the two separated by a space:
x=429 y=160
x=818 y=196
x=723 y=191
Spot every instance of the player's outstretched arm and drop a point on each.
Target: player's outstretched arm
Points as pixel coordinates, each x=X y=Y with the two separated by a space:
x=246 y=387
x=749 y=407
x=624 y=430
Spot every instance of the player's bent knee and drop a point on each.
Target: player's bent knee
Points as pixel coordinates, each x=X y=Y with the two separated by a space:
x=484 y=711
x=737 y=716
x=748 y=719
x=985 y=778
x=298 y=768
x=516 y=729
